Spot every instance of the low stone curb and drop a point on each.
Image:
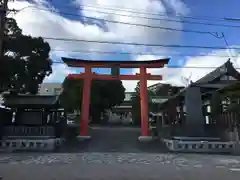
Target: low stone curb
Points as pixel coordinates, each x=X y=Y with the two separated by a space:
x=200 y=146
x=30 y=144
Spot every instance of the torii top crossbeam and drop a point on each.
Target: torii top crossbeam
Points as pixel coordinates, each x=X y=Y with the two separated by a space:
x=88 y=76
x=71 y=62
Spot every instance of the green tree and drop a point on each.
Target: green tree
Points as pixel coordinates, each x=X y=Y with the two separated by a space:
x=136 y=107
x=25 y=63
x=231 y=94
x=104 y=95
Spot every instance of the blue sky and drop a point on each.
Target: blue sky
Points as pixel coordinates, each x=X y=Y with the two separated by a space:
x=213 y=8
x=59 y=25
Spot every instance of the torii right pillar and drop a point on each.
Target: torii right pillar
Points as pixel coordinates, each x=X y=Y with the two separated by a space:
x=144 y=105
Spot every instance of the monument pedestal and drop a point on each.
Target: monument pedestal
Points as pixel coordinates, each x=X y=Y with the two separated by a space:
x=83 y=138
x=145 y=138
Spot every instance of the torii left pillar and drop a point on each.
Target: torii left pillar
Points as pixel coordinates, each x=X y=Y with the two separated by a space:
x=84 y=134
x=144 y=105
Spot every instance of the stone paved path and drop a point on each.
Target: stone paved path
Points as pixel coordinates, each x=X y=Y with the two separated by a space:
x=115 y=139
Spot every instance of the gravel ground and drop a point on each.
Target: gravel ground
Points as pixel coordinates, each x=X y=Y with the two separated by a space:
x=74 y=166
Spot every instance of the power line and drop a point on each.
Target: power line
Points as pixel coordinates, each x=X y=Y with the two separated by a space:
x=137 y=53
x=141 y=17
x=215 y=34
x=233 y=19
x=139 y=44
x=142 y=11
x=170 y=67
x=161 y=14
x=164 y=19
x=194 y=67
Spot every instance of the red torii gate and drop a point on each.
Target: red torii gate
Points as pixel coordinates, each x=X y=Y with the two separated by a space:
x=88 y=76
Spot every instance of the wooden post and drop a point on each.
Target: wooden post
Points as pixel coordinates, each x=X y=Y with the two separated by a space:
x=85 y=102
x=144 y=101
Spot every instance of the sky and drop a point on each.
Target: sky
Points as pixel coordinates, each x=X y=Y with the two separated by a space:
x=89 y=20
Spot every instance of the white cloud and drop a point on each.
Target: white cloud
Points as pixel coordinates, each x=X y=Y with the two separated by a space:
x=167 y=74
x=178 y=6
x=194 y=69
x=215 y=60
x=60 y=71
x=132 y=33
x=141 y=34
x=49 y=24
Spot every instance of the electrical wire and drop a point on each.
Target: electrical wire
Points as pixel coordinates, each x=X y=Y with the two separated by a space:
x=142 y=11
x=215 y=34
x=212 y=33
x=137 y=53
x=164 y=19
x=168 y=66
x=141 y=17
x=139 y=44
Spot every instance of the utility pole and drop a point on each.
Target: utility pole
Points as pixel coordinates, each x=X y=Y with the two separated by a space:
x=3 y=13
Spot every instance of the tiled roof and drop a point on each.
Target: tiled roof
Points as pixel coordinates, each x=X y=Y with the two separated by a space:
x=30 y=101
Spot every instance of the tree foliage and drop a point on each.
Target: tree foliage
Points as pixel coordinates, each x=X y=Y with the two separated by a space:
x=104 y=95
x=162 y=90
x=136 y=106
x=25 y=63
x=231 y=94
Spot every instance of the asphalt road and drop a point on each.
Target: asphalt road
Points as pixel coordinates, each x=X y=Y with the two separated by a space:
x=115 y=153
x=75 y=166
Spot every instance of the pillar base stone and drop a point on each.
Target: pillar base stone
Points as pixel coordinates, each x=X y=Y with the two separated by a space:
x=145 y=138
x=83 y=137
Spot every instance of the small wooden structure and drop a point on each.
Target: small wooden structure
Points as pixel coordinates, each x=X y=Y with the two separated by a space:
x=31 y=118
x=190 y=107
x=196 y=114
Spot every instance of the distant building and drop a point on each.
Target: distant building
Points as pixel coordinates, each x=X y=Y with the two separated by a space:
x=163 y=92
x=50 y=89
x=45 y=89
x=155 y=87
x=126 y=105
